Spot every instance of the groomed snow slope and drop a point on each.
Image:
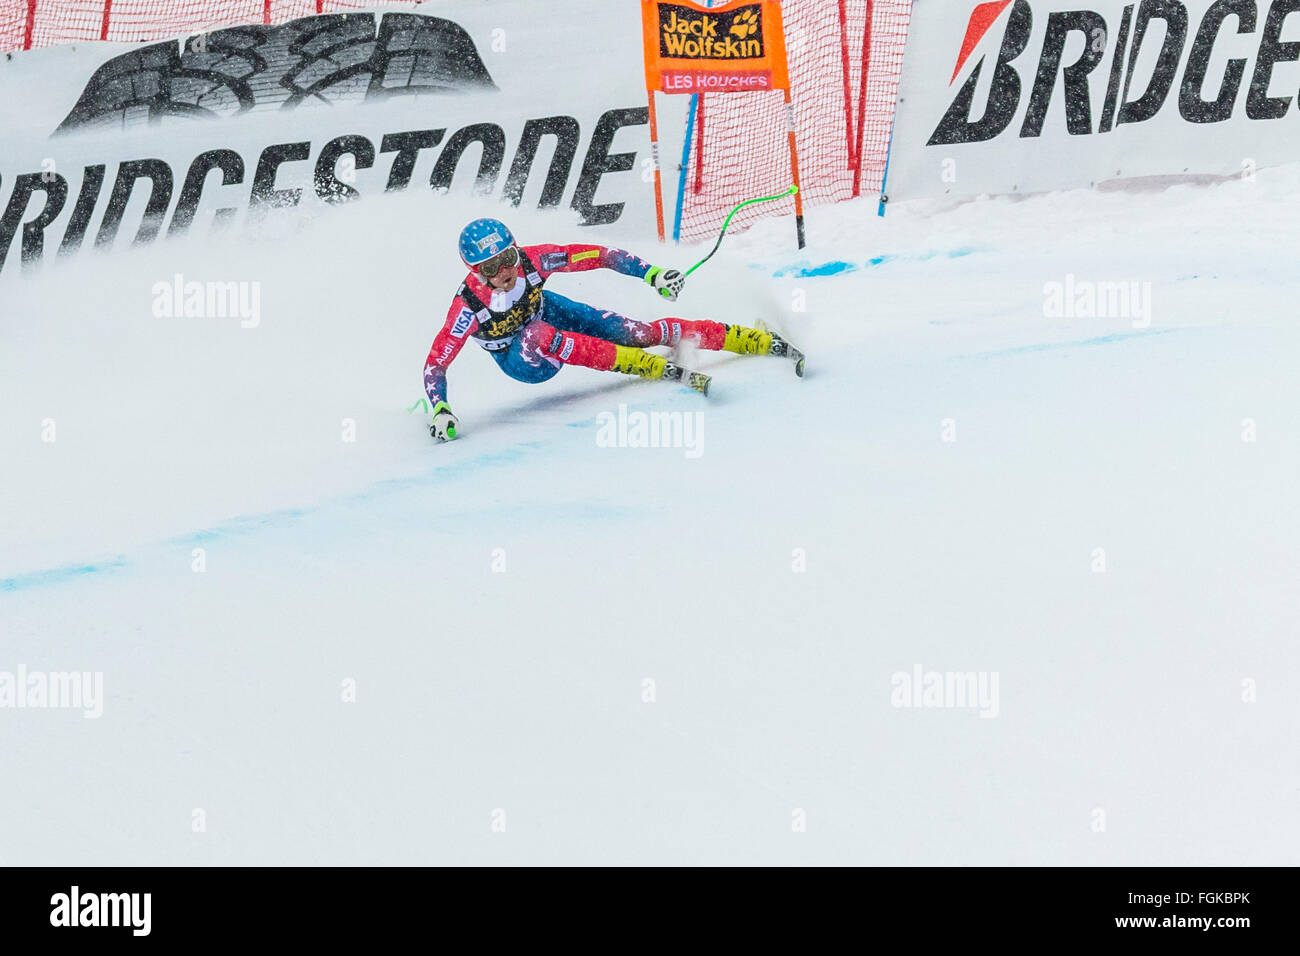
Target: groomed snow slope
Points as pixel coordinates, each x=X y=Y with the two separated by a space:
x=522 y=690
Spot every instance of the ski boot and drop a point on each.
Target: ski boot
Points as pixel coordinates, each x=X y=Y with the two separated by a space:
x=634 y=361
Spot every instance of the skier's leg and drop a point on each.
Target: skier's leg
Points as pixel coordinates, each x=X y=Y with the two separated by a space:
x=541 y=349
x=713 y=336
x=526 y=365
x=579 y=317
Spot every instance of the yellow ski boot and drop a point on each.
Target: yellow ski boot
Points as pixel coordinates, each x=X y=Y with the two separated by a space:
x=761 y=340
x=634 y=361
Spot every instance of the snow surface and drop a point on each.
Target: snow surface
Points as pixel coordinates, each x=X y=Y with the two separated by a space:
x=521 y=691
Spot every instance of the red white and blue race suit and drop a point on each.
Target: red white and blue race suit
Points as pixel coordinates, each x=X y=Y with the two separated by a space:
x=532 y=333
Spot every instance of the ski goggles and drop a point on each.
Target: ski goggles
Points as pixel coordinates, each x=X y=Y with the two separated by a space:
x=505 y=260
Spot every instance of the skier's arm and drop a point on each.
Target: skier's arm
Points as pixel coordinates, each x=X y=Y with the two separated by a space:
x=447 y=344
x=583 y=257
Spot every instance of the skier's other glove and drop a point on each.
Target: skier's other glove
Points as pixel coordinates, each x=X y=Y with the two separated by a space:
x=669 y=282
x=445 y=424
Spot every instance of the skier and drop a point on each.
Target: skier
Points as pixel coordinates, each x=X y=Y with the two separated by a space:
x=532 y=333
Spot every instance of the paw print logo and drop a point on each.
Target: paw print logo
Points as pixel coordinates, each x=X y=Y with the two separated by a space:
x=746 y=24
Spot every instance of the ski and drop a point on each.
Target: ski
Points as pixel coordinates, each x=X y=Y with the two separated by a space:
x=699 y=381
x=782 y=347
x=696 y=380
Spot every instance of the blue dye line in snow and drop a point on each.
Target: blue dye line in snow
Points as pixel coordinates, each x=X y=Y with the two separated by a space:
x=1078 y=343
x=838 y=267
x=286 y=517
x=59 y=575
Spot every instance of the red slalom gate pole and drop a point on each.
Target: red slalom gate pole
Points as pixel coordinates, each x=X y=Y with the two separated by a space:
x=699 y=143
x=266 y=12
x=31 y=24
x=794 y=172
x=103 y=26
x=844 y=68
x=862 y=102
x=654 y=150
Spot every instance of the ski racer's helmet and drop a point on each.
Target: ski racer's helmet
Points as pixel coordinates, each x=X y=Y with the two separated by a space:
x=483 y=239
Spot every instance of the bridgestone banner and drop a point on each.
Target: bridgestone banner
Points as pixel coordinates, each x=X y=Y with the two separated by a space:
x=1033 y=95
x=109 y=144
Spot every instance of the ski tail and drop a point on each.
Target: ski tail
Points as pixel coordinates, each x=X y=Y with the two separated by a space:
x=696 y=380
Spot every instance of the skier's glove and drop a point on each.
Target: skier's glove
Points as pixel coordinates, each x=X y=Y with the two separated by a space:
x=669 y=282
x=445 y=424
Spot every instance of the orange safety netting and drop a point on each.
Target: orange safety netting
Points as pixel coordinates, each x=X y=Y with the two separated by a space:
x=25 y=24
x=738 y=145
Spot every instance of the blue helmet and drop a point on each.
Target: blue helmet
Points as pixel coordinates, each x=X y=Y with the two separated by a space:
x=482 y=239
